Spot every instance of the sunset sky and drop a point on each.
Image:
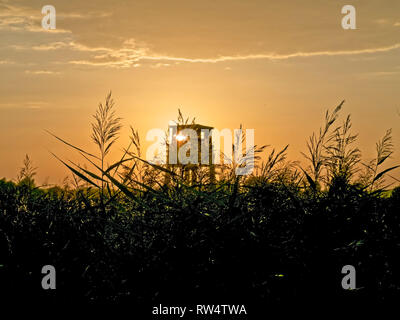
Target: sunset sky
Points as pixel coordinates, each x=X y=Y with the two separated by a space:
x=274 y=66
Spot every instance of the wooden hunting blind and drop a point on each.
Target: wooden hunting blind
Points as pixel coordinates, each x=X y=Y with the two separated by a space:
x=197 y=139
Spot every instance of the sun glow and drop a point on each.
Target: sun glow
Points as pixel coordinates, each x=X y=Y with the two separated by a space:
x=180 y=137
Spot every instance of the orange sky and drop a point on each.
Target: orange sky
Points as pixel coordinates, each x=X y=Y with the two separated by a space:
x=274 y=66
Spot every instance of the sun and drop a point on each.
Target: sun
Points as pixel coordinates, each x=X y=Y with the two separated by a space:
x=180 y=137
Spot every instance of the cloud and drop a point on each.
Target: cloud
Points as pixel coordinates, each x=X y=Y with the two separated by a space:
x=129 y=47
x=50 y=46
x=118 y=64
x=24 y=105
x=41 y=72
x=22 y=18
x=86 y=15
x=131 y=53
x=381 y=21
x=25 y=21
x=273 y=56
x=16 y=18
x=378 y=74
x=160 y=65
x=126 y=57
x=3 y=62
x=38 y=28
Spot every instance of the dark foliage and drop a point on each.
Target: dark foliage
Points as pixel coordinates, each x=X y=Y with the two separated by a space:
x=126 y=235
x=276 y=245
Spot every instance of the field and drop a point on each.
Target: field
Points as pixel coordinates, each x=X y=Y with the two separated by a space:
x=280 y=236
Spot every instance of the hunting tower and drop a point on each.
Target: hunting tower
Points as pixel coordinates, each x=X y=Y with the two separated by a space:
x=194 y=138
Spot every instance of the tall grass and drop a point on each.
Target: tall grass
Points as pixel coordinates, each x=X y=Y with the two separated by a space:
x=105 y=131
x=280 y=235
x=331 y=154
x=27 y=172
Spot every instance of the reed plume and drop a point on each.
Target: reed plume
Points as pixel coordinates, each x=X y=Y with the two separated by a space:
x=105 y=130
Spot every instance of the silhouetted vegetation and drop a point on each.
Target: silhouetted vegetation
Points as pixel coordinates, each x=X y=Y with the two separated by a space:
x=279 y=236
